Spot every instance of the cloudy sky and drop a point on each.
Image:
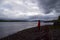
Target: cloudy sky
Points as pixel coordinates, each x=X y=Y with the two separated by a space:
x=29 y=9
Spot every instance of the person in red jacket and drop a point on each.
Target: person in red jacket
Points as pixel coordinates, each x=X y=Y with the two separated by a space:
x=39 y=24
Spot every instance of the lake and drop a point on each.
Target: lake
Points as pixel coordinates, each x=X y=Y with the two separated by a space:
x=8 y=28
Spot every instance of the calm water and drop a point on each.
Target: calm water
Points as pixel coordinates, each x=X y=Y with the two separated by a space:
x=8 y=28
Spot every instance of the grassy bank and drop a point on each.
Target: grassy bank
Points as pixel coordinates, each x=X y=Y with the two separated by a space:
x=54 y=27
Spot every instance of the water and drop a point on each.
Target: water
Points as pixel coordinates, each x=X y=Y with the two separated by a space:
x=8 y=28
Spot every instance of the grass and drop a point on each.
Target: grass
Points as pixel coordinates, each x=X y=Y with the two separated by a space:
x=54 y=27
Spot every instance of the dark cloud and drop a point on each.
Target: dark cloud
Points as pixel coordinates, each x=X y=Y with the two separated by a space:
x=10 y=9
x=50 y=5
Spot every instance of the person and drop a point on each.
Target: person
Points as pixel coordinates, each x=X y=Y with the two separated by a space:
x=39 y=24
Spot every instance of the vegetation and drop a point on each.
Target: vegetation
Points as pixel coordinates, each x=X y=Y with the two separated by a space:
x=59 y=19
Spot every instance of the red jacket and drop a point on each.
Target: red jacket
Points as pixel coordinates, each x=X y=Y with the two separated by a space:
x=39 y=24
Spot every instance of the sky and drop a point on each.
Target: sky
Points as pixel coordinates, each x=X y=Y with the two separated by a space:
x=29 y=9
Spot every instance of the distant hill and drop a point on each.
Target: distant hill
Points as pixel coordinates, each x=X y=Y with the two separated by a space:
x=13 y=21
x=1 y=20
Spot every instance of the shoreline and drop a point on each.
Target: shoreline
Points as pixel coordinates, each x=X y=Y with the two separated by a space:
x=27 y=34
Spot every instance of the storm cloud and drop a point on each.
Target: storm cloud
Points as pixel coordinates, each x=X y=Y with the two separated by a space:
x=29 y=9
x=50 y=5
